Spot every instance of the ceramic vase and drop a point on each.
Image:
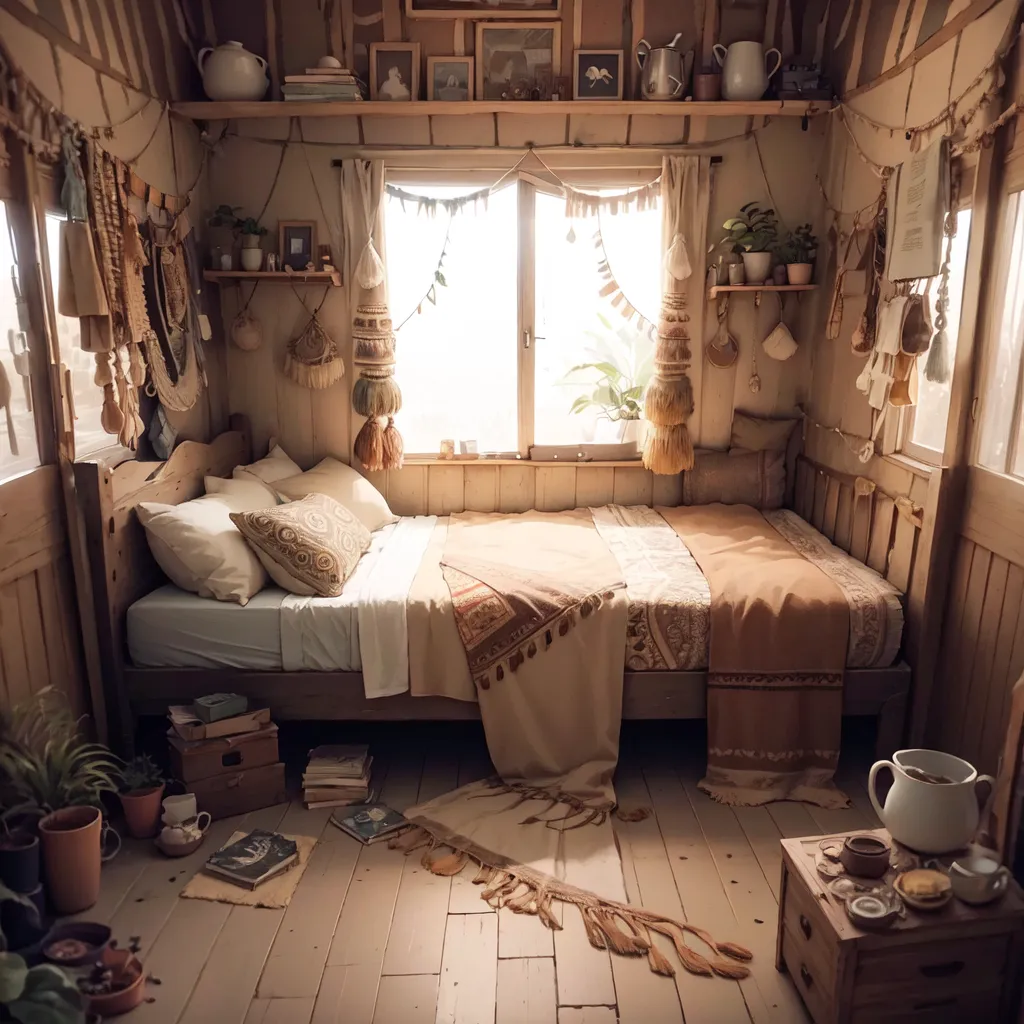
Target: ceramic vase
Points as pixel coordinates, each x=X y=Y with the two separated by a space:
x=744 y=74
x=142 y=811
x=252 y=259
x=757 y=265
x=799 y=273
x=231 y=72
x=72 y=854
x=737 y=274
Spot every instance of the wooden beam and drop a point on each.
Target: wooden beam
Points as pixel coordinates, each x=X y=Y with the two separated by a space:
x=857 y=55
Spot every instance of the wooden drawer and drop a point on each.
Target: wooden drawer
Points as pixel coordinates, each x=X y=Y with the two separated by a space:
x=974 y=1006
x=239 y=792
x=204 y=759
x=815 y=991
x=814 y=937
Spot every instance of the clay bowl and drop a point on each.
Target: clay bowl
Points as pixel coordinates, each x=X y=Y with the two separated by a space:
x=178 y=849
x=924 y=889
x=113 y=1004
x=75 y=943
x=872 y=912
x=865 y=856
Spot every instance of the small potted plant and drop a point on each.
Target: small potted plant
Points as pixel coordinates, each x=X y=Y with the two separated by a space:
x=252 y=238
x=116 y=983
x=797 y=252
x=141 y=790
x=753 y=234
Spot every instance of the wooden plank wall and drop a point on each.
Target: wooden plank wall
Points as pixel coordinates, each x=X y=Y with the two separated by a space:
x=39 y=633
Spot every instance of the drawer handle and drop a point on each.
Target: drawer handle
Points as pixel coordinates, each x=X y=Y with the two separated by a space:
x=805 y=926
x=805 y=976
x=947 y=970
x=934 y=1004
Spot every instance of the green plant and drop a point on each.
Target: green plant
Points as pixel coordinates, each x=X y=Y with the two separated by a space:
x=140 y=773
x=225 y=217
x=250 y=226
x=800 y=246
x=37 y=995
x=45 y=764
x=754 y=230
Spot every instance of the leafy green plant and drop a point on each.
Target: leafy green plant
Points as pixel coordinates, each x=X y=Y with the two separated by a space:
x=45 y=764
x=226 y=217
x=800 y=246
x=140 y=773
x=753 y=230
x=249 y=226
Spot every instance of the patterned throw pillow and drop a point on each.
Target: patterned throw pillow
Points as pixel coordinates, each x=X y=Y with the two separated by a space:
x=309 y=546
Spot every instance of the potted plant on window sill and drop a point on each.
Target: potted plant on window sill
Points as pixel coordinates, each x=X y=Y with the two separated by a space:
x=753 y=233
x=141 y=790
x=797 y=252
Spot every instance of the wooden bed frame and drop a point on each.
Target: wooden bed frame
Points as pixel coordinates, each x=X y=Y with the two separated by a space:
x=123 y=570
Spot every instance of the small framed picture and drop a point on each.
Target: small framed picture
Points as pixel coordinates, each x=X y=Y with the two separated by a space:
x=597 y=75
x=395 y=71
x=513 y=58
x=297 y=242
x=450 y=78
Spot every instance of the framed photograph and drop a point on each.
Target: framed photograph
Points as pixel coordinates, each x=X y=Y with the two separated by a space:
x=395 y=71
x=297 y=243
x=512 y=58
x=480 y=9
x=597 y=75
x=450 y=78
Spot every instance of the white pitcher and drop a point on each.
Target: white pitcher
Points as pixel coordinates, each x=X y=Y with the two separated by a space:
x=744 y=75
x=231 y=72
x=929 y=816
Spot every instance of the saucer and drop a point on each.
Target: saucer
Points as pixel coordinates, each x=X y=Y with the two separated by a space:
x=178 y=849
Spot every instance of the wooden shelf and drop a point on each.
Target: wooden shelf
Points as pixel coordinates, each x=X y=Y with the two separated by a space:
x=234 y=109
x=718 y=289
x=328 y=277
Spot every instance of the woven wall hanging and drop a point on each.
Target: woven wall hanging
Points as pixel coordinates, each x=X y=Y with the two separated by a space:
x=668 y=401
x=376 y=395
x=312 y=359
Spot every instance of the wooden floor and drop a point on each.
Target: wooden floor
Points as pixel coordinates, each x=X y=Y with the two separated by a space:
x=371 y=937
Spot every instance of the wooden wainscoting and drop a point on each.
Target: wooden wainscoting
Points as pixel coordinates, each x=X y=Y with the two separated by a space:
x=40 y=644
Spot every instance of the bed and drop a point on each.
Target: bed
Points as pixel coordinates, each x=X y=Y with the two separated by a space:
x=302 y=656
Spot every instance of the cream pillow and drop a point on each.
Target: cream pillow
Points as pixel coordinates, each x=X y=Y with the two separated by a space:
x=251 y=491
x=308 y=546
x=276 y=466
x=345 y=486
x=201 y=550
x=736 y=478
x=758 y=433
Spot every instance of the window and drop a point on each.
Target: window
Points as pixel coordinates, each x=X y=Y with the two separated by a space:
x=513 y=344
x=18 y=450
x=925 y=431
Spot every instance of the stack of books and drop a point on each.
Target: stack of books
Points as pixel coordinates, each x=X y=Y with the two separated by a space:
x=337 y=776
x=322 y=84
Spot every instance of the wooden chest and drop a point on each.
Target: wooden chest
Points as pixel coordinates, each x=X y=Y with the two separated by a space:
x=203 y=759
x=238 y=792
x=957 y=964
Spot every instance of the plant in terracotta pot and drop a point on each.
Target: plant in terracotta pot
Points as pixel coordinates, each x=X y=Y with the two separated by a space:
x=51 y=773
x=753 y=233
x=116 y=983
x=142 y=789
x=797 y=252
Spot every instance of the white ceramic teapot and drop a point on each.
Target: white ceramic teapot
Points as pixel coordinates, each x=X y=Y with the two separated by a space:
x=932 y=807
x=744 y=75
x=231 y=72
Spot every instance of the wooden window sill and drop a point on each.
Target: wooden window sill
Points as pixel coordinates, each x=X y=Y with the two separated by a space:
x=915 y=466
x=534 y=463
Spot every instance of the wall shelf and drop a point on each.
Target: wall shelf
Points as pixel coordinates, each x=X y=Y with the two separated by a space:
x=234 y=109
x=328 y=277
x=718 y=289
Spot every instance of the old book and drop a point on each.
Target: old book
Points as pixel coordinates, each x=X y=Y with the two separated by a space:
x=253 y=859
x=189 y=727
x=342 y=794
x=339 y=761
x=318 y=78
x=331 y=72
x=369 y=823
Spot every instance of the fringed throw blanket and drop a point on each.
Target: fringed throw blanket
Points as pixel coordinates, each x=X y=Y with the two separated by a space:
x=540 y=607
x=779 y=630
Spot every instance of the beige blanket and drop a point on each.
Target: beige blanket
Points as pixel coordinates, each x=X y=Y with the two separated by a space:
x=779 y=631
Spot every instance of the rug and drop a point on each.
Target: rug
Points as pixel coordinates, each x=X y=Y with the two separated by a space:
x=276 y=893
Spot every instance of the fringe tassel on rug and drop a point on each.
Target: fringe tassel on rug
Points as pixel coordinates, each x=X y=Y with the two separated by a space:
x=591 y=813
x=617 y=927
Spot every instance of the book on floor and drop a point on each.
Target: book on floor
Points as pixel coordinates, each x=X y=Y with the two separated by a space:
x=369 y=823
x=339 y=761
x=253 y=859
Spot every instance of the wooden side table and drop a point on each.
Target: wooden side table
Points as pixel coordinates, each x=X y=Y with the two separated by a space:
x=957 y=964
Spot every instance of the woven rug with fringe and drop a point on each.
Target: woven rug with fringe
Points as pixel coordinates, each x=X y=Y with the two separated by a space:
x=541 y=612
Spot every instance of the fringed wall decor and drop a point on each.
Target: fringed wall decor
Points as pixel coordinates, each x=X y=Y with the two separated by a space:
x=312 y=359
x=376 y=395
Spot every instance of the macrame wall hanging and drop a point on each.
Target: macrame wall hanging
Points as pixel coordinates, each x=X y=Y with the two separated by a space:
x=312 y=359
x=668 y=401
x=376 y=395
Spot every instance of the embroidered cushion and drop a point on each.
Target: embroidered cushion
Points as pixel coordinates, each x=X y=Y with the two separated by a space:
x=310 y=546
x=345 y=486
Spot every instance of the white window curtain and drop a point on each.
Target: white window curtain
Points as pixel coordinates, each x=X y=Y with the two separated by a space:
x=375 y=394
x=669 y=400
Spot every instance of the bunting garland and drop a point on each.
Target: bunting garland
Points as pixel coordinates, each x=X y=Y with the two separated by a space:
x=612 y=290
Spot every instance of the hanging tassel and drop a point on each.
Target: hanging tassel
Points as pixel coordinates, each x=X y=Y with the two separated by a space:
x=394 y=447
x=376 y=396
x=369 y=445
x=571 y=236
x=136 y=366
x=936 y=369
x=668 y=402
x=374 y=348
x=677 y=259
x=111 y=417
x=669 y=450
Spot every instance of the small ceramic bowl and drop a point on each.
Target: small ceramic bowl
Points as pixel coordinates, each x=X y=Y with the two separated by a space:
x=924 y=889
x=865 y=856
x=872 y=911
x=75 y=943
x=178 y=849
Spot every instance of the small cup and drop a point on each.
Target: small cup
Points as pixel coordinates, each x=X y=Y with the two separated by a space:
x=179 y=808
x=865 y=856
x=977 y=879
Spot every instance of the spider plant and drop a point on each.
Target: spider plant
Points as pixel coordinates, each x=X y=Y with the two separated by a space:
x=45 y=764
x=140 y=773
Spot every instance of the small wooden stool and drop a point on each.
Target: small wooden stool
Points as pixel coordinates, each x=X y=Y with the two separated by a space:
x=960 y=963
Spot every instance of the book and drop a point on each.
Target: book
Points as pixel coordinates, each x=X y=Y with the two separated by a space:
x=253 y=859
x=324 y=99
x=314 y=804
x=318 y=79
x=333 y=72
x=215 y=706
x=369 y=823
x=340 y=761
x=341 y=784
x=185 y=724
x=350 y=794
x=312 y=89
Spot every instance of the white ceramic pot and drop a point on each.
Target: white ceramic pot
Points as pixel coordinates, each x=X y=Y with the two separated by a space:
x=799 y=273
x=744 y=75
x=758 y=266
x=737 y=275
x=929 y=817
x=252 y=259
x=231 y=72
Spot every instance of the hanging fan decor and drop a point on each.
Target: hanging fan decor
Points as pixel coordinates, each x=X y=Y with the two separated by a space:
x=376 y=395
x=312 y=359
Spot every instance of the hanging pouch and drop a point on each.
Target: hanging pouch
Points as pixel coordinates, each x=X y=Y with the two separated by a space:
x=916 y=332
x=891 y=315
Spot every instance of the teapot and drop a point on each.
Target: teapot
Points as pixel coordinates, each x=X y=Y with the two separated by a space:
x=744 y=75
x=665 y=71
x=932 y=807
x=231 y=72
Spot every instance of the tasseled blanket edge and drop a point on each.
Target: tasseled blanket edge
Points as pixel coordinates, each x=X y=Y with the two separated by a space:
x=617 y=927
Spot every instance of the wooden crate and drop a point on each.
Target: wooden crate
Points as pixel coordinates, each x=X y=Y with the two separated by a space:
x=240 y=792
x=957 y=964
x=202 y=759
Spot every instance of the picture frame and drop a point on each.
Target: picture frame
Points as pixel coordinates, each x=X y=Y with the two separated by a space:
x=296 y=243
x=479 y=10
x=512 y=57
x=451 y=79
x=597 y=74
x=395 y=72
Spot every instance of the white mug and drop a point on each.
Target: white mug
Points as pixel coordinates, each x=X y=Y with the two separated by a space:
x=179 y=808
x=978 y=879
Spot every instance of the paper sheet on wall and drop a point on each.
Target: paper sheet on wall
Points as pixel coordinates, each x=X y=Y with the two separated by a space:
x=917 y=204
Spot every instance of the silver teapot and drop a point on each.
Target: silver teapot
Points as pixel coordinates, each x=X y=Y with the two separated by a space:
x=665 y=71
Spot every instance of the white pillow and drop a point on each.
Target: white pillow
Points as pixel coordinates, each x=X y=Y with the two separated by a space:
x=201 y=550
x=276 y=466
x=345 y=486
x=248 y=489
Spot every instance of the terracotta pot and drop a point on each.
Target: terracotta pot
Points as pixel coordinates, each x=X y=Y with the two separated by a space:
x=799 y=273
x=707 y=86
x=19 y=861
x=142 y=811
x=72 y=853
x=127 y=966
